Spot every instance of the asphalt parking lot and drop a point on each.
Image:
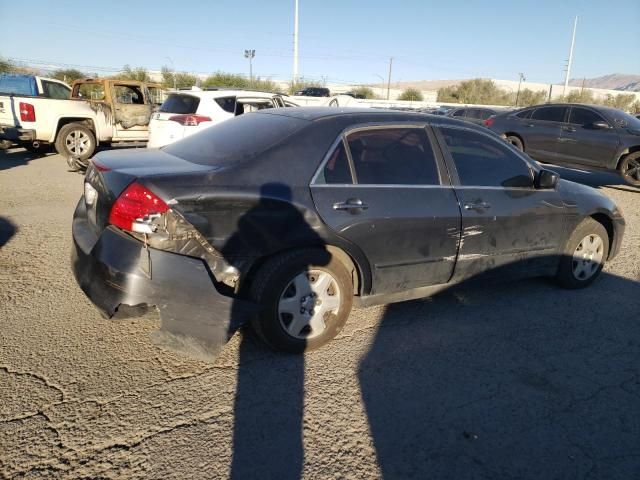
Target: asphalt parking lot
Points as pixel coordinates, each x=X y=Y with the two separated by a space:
x=515 y=381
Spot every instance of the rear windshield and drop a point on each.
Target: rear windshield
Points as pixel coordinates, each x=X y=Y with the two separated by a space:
x=18 y=85
x=180 y=104
x=236 y=139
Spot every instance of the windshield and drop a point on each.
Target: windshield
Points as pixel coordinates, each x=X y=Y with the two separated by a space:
x=623 y=119
x=236 y=139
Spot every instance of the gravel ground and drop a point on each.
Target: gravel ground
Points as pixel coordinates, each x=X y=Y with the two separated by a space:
x=520 y=381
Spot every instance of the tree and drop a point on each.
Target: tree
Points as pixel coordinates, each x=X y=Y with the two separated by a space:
x=138 y=73
x=411 y=94
x=233 y=80
x=364 y=92
x=478 y=91
x=67 y=74
x=6 y=65
x=182 y=79
x=301 y=84
x=530 y=97
x=580 y=96
x=622 y=101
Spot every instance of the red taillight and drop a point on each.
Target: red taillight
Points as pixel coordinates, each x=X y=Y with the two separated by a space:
x=100 y=167
x=133 y=208
x=27 y=112
x=189 y=120
x=489 y=121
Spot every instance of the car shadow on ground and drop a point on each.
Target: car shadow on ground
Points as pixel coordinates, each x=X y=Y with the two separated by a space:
x=519 y=380
x=17 y=157
x=7 y=230
x=596 y=179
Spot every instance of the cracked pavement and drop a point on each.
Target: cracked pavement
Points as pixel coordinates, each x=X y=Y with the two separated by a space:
x=512 y=381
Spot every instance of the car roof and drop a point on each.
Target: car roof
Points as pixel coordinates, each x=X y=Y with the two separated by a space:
x=224 y=93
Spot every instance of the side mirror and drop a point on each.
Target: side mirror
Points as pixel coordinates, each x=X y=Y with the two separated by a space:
x=600 y=125
x=546 y=179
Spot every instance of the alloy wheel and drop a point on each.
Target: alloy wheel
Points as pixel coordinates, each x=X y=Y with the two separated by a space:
x=632 y=172
x=77 y=142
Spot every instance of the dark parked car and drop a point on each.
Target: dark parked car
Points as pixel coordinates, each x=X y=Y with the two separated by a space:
x=289 y=217
x=476 y=115
x=583 y=136
x=314 y=92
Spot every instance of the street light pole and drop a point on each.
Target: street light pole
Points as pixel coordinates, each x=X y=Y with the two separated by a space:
x=389 y=79
x=250 y=54
x=568 y=71
x=522 y=77
x=295 y=44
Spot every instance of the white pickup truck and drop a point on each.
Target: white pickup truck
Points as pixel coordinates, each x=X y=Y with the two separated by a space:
x=76 y=120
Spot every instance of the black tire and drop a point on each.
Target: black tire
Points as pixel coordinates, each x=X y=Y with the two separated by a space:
x=566 y=276
x=630 y=169
x=515 y=141
x=269 y=285
x=5 y=144
x=66 y=135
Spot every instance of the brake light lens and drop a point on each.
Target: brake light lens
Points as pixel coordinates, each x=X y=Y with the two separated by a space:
x=100 y=167
x=27 y=112
x=189 y=120
x=489 y=121
x=134 y=209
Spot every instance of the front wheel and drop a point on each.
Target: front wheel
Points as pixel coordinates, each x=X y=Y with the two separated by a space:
x=515 y=141
x=76 y=140
x=305 y=298
x=584 y=255
x=630 y=169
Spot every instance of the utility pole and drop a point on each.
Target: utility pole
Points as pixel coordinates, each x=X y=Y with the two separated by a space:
x=173 y=67
x=568 y=71
x=522 y=77
x=250 y=54
x=389 y=78
x=295 y=43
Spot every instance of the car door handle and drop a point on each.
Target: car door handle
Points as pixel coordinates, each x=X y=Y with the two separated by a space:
x=477 y=206
x=352 y=205
x=529 y=125
x=568 y=129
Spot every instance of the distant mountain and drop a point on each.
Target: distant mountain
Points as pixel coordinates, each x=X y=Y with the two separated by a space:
x=615 y=81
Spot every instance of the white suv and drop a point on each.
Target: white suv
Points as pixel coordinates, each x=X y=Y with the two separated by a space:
x=184 y=113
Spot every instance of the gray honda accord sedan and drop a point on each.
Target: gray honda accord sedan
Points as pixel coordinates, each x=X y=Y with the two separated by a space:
x=287 y=218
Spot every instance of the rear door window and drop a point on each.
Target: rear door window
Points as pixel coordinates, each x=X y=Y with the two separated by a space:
x=524 y=114
x=55 y=90
x=459 y=113
x=336 y=169
x=483 y=161
x=128 y=94
x=228 y=104
x=584 y=116
x=183 y=104
x=393 y=156
x=549 y=114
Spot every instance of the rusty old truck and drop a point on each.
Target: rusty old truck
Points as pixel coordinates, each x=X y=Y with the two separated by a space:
x=97 y=112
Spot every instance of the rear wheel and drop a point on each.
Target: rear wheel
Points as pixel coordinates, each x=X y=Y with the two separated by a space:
x=516 y=142
x=76 y=140
x=584 y=255
x=630 y=169
x=305 y=298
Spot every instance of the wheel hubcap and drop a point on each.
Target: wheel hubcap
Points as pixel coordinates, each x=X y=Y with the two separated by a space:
x=587 y=257
x=307 y=302
x=633 y=170
x=77 y=142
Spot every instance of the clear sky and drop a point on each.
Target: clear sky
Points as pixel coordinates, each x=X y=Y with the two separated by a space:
x=344 y=41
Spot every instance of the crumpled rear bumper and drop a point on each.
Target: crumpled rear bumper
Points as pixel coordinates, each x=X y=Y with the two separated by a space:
x=122 y=277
